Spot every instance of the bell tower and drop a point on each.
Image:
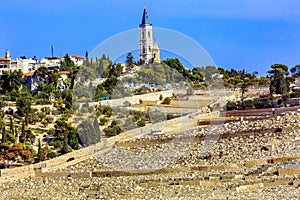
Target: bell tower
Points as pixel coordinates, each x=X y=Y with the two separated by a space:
x=146 y=40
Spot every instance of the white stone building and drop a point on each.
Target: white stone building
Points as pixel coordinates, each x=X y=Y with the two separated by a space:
x=78 y=61
x=149 y=51
x=5 y=63
x=26 y=65
x=51 y=62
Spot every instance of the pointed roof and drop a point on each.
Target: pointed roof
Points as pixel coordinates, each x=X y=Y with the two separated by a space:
x=145 y=19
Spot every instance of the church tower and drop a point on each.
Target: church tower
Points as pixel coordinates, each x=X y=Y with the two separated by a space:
x=146 y=42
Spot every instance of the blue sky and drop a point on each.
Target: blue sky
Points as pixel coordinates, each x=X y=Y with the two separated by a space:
x=242 y=34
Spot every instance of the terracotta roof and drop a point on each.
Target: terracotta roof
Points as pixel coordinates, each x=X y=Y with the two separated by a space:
x=4 y=59
x=29 y=74
x=77 y=57
x=64 y=72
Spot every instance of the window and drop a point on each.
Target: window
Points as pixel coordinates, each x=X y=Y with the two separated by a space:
x=144 y=49
x=143 y=35
x=149 y=48
x=149 y=35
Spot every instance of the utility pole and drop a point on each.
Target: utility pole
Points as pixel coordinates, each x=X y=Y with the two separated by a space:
x=52 y=51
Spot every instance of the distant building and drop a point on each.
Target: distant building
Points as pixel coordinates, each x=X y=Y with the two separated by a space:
x=62 y=81
x=77 y=60
x=32 y=81
x=5 y=63
x=149 y=51
x=26 y=65
x=49 y=62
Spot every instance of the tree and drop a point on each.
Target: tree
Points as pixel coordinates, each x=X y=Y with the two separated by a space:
x=197 y=75
x=89 y=131
x=110 y=84
x=66 y=133
x=86 y=58
x=115 y=70
x=112 y=130
x=11 y=125
x=295 y=71
x=12 y=81
x=40 y=151
x=23 y=105
x=161 y=97
x=244 y=88
x=176 y=64
x=279 y=83
x=280 y=68
x=129 y=61
x=67 y=64
x=23 y=133
x=2 y=126
x=255 y=73
x=3 y=134
x=245 y=83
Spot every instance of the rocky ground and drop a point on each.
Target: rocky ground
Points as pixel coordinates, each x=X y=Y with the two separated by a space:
x=205 y=163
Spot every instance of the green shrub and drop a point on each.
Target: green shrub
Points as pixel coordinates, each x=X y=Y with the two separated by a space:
x=112 y=131
x=231 y=105
x=52 y=154
x=141 y=123
x=55 y=112
x=49 y=119
x=248 y=104
x=107 y=111
x=295 y=95
x=45 y=123
x=260 y=103
x=103 y=121
x=167 y=101
x=57 y=144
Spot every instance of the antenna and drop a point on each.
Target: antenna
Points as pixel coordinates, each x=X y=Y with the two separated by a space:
x=52 y=50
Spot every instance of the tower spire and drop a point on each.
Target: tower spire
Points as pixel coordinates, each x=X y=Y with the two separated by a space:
x=145 y=19
x=148 y=52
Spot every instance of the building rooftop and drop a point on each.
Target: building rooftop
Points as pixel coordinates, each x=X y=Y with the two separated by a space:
x=77 y=57
x=64 y=72
x=4 y=59
x=29 y=74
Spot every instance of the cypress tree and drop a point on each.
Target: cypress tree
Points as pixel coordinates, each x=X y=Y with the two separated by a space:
x=11 y=124
x=40 y=151
x=3 y=135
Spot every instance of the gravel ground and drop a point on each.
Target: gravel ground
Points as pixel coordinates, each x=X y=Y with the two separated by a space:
x=181 y=155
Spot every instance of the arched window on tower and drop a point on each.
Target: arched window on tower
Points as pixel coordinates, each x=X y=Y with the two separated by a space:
x=149 y=34
x=149 y=48
x=143 y=33
x=154 y=55
x=144 y=49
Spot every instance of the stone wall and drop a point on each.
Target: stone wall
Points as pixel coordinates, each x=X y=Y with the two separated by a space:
x=135 y=99
x=29 y=171
x=289 y=171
